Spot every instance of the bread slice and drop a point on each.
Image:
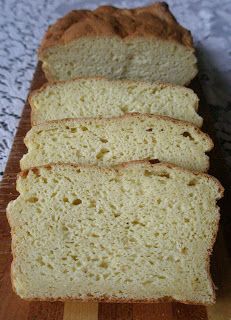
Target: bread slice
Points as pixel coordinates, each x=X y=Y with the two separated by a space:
x=94 y=97
x=110 y=141
x=143 y=43
x=138 y=233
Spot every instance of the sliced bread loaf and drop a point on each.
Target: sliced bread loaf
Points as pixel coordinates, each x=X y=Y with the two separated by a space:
x=139 y=232
x=110 y=141
x=144 y=43
x=94 y=97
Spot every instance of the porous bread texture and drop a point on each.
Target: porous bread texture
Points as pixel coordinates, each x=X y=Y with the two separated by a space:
x=136 y=233
x=110 y=141
x=96 y=97
x=143 y=43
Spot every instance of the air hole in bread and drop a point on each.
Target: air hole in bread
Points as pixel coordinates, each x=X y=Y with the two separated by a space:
x=145 y=141
x=187 y=135
x=116 y=179
x=149 y=130
x=76 y=202
x=148 y=173
x=124 y=108
x=184 y=250
x=192 y=182
x=145 y=283
x=153 y=161
x=64 y=228
x=92 y=204
x=74 y=257
x=83 y=128
x=103 y=140
x=94 y=235
x=134 y=222
x=164 y=174
x=102 y=153
x=103 y=264
x=40 y=261
x=73 y=130
x=44 y=180
x=112 y=206
x=32 y=199
x=29 y=234
x=36 y=171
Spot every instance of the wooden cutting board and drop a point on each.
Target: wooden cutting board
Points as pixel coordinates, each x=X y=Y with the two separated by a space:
x=12 y=307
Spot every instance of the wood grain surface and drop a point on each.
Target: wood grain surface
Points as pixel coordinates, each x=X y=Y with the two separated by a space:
x=12 y=307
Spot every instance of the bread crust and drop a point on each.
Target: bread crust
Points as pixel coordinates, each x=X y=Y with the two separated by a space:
x=154 y=21
x=149 y=164
x=161 y=85
x=108 y=299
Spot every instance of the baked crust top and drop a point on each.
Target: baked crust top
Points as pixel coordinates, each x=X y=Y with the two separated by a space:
x=155 y=20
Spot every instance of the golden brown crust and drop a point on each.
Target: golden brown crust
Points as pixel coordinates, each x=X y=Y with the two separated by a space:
x=155 y=21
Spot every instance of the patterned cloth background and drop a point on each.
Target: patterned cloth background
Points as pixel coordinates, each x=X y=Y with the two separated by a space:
x=23 y=23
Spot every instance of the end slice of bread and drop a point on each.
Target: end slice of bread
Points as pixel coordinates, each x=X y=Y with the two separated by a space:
x=139 y=232
x=98 y=97
x=141 y=44
x=110 y=141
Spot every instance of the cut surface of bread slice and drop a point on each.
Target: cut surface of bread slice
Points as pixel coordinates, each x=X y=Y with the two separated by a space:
x=95 y=97
x=143 y=43
x=137 y=232
x=110 y=141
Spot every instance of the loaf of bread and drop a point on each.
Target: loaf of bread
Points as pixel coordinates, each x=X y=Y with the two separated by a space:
x=138 y=232
x=110 y=141
x=143 y=43
x=94 y=97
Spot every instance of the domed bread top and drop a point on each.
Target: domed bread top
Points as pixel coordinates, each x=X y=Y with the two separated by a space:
x=155 y=20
